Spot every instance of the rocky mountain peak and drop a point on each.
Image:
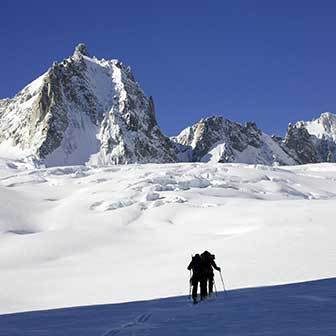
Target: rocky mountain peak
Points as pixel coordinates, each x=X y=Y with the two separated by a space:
x=217 y=139
x=81 y=49
x=85 y=110
x=313 y=141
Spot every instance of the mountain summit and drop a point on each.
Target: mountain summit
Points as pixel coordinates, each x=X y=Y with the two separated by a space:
x=84 y=110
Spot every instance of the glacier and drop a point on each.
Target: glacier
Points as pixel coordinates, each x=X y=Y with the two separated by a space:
x=79 y=235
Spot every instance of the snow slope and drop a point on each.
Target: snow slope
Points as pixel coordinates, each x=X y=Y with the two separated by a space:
x=295 y=310
x=76 y=235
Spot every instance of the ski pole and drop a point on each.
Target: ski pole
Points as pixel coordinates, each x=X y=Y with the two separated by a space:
x=214 y=282
x=190 y=285
x=220 y=273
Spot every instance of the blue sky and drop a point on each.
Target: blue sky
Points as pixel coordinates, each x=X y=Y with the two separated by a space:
x=272 y=62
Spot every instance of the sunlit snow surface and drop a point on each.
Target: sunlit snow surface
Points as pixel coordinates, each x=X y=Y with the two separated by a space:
x=76 y=236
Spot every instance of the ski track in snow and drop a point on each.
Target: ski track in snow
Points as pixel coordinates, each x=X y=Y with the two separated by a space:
x=87 y=232
x=139 y=323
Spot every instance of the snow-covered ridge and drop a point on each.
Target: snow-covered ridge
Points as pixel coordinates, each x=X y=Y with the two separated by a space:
x=322 y=127
x=216 y=139
x=312 y=141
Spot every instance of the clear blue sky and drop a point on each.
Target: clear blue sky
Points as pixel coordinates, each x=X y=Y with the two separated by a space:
x=273 y=62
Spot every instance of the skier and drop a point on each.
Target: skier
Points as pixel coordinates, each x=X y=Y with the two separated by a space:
x=198 y=277
x=209 y=264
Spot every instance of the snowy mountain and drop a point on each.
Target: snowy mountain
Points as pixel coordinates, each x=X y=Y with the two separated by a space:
x=216 y=139
x=84 y=110
x=323 y=127
x=89 y=111
x=313 y=141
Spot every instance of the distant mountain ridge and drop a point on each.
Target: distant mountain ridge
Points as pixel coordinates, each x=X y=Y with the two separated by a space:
x=89 y=111
x=216 y=139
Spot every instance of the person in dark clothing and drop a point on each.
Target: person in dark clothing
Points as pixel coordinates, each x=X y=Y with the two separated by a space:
x=208 y=261
x=198 y=277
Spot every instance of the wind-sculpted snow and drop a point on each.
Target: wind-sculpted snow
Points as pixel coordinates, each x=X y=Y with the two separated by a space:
x=78 y=235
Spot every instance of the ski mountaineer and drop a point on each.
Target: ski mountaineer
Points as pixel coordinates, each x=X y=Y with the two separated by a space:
x=208 y=261
x=198 y=277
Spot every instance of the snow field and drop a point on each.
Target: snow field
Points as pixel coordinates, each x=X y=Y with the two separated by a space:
x=79 y=235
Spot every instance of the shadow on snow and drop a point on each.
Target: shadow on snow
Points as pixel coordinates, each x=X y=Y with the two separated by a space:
x=296 y=309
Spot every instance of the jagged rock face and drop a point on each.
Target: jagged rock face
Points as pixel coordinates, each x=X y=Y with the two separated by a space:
x=129 y=133
x=202 y=136
x=313 y=141
x=219 y=140
x=85 y=110
x=301 y=145
x=81 y=49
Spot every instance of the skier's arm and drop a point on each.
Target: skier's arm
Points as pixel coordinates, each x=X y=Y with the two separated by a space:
x=213 y=264
x=190 y=266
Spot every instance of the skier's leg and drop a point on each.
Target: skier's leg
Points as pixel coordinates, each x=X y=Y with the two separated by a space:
x=211 y=281
x=194 y=290
x=203 y=284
